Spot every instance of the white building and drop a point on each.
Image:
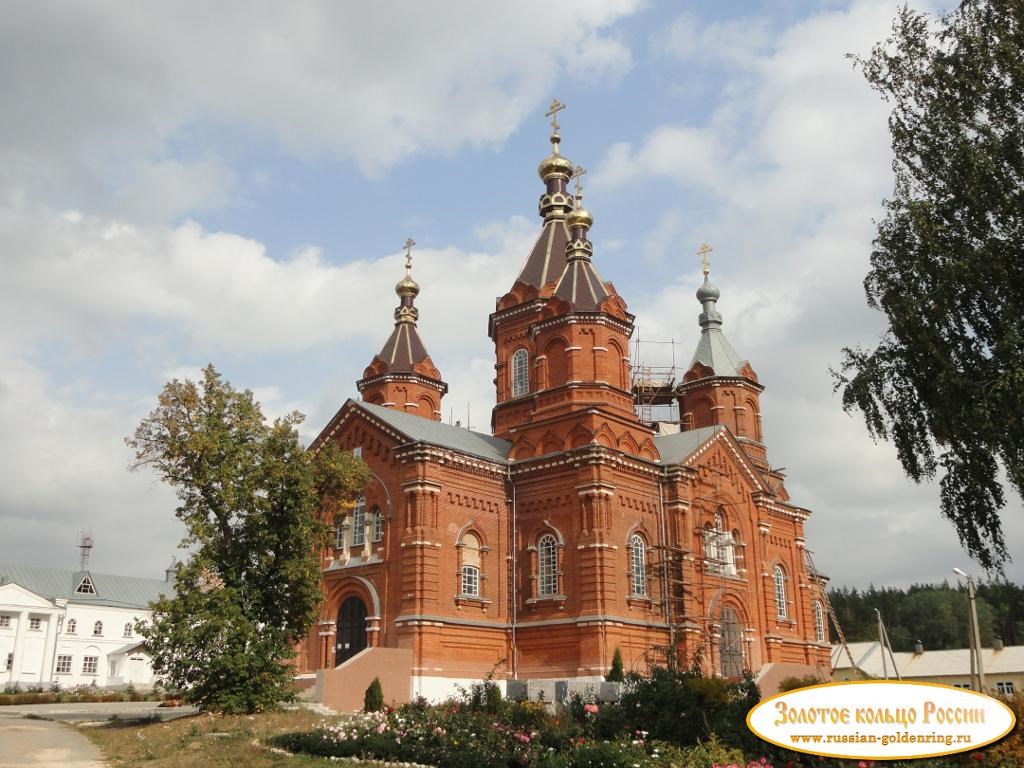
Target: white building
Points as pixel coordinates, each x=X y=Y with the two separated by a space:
x=73 y=627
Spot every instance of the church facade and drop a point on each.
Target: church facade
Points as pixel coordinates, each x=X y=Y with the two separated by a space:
x=576 y=527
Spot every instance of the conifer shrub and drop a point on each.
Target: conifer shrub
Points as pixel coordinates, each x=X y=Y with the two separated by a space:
x=373 y=699
x=616 y=673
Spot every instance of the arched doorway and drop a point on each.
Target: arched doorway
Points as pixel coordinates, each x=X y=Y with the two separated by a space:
x=731 y=644
x=351 y=630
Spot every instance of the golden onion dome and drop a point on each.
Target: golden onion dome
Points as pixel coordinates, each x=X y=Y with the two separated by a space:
x=555 y=165
x=579 y=217
x=407 y=287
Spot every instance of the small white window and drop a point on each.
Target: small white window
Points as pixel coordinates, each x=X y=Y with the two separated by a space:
x=358 y=451
x=378 y=525
x=547 y=565
x=1005 y=687
x=359 y=523
x=85 y=587
x=470 y=581
x=637 y=565
x=63 y=665
x=5 y=621
x=128 y=629
x=97 y=629
x=72 y=626
x=819 y=622
x=35 y=623
x=520 y=373
x=780 y=593
x=90 y=664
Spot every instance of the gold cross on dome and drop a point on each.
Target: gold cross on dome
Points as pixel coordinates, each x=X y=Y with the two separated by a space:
x=409 y=243
x=553 y=110
x=577 y=174
x=703 y=252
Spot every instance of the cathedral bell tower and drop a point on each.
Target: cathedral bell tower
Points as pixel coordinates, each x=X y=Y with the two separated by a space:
x=561 y=336
x=402 y=376
x=719 y=387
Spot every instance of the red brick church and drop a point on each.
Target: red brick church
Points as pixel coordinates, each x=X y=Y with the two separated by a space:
x=576 y=527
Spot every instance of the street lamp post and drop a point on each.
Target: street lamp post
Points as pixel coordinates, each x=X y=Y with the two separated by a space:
x=977 y=668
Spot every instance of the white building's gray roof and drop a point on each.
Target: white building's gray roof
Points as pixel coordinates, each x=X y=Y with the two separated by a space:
x=867 y=656
x=54 y=583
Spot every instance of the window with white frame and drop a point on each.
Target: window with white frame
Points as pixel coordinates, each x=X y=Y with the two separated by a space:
x=9 y=662
x=780 y=593
x=128 y=629
x=1005 y=687
x=520 y=373
x=97 y=629
x=90 y=665
x=547 y=565
x=35 y=623
x=377 y=525
x=72 y=626
x=819 y=622
x=85 y=587
x=339 y=531
x=5 y=621
x=359 y=522
x=469 y=573
x=63 y=665
x=720 y=547
x=637 y=565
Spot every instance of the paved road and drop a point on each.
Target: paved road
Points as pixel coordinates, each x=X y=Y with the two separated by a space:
x=46 y=743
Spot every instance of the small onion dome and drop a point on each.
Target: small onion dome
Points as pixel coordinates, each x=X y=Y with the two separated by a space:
x=555 y=165
x=407 y=287
x=579 y=217
x=708 y=292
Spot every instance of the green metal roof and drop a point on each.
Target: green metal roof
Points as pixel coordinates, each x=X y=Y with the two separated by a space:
x=117 y=591
x=421 y=430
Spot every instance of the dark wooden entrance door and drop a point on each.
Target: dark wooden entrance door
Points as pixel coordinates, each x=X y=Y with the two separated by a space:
x=351 y=630
x=731 y=645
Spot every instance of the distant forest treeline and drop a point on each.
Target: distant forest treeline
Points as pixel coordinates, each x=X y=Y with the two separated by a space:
x=935 y=614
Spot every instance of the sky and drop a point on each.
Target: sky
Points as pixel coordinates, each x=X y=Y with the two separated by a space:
x=186 y=183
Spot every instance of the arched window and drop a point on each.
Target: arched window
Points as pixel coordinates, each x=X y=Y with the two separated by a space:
x=547 y=565
x=469 y=575
x=72 y=626
x=780 y=592
x=97 y=629
x=720 y=547
x=520 y=373
x=378 y=525
x=637 y=565
x=128 y=629
x=359 y=522
x=339 y=531
x=819 y=622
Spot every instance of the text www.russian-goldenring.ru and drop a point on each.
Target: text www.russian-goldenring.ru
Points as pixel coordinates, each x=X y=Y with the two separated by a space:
x=885 y=739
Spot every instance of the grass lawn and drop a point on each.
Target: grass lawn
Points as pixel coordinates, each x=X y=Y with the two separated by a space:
x=217 y=741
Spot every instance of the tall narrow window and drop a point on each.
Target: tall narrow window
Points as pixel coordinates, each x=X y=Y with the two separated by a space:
x=819 y=622
x=520 y=373
x=72 y=626
x=97 y=629
x=637 y=565
x=469 y=553
x=378 y=525
x=128 y=629
x=780 y=592
x=359 y=523
x=547 y=565
x=339 y=532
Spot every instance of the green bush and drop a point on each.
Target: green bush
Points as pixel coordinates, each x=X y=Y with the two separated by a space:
x=616 y=673
x=373 y=699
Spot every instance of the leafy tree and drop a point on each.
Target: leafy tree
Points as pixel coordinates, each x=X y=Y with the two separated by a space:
x=248 y=495
x=946 y=381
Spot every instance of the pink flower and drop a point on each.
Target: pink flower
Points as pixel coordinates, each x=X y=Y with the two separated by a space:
x=590 y=709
